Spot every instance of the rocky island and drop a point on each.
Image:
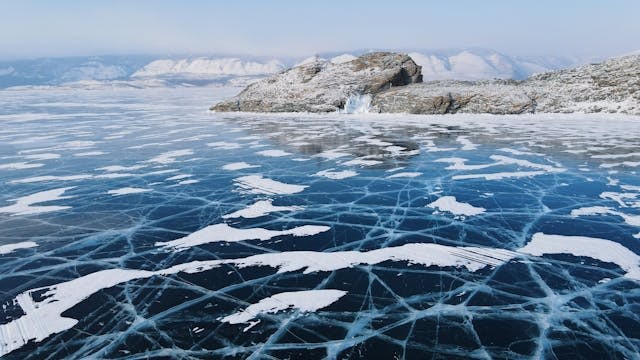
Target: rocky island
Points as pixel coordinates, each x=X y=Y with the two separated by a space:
x=392 y=83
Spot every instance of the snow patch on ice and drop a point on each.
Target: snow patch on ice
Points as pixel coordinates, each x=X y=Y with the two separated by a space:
x=44 y=317
x=273 y=153
x=25 y=204
x=633 y=220
x=332 y=154
x=404 y=175
x=115 y=168
x=226 y=233
x=170 y=156
x=238 y=166
x=9 y=248
x=450 y=204
x=260 y=208
x=44 y=156
x=89 y=153
x=466 y=143
x=127 y=190
x=362 y=162
x=499 y=176
x=302 y=301
x=224 y=145
x=336 y=175
x=20 y=166
x=256 y=184
x=595 y=248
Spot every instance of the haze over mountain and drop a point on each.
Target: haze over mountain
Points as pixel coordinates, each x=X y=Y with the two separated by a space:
x=172 y=71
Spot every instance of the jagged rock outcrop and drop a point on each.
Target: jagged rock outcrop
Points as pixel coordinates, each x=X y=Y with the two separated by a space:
x=394 y=83
x=323 y=86
x=612 y=86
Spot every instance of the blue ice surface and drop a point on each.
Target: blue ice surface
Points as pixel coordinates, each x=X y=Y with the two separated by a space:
x=555 y=306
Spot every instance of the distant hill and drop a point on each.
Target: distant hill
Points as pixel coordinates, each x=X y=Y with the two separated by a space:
x=154 y=71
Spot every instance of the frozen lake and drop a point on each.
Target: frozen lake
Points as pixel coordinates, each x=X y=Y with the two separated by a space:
x=136 y=224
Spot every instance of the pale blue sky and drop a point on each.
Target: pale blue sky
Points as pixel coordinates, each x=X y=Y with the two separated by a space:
x=30 y=28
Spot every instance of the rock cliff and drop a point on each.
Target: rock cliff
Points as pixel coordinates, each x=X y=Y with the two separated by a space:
x=394 y=83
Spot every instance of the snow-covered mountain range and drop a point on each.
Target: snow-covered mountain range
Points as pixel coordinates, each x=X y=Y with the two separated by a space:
x=208 y=66
x=153 y=71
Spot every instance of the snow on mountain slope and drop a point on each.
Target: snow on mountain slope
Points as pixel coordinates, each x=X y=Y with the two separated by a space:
x=56 y=71
x=466 y=65
x=209 y=67
x=151 y=71
x=478 y=64
x=94 y=70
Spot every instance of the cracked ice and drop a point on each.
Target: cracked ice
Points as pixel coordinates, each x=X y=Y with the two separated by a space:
x=141 y=226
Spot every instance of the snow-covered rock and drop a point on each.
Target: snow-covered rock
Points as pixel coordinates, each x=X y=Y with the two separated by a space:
x=323 y=86
x=340 y=59
x=611 y=86
x=392 y=84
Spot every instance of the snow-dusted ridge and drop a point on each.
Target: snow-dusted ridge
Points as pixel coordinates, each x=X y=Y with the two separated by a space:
x=150 y=71
x=208 y=66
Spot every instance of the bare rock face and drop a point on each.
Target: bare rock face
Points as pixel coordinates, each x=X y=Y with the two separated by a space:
x=321 y=86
